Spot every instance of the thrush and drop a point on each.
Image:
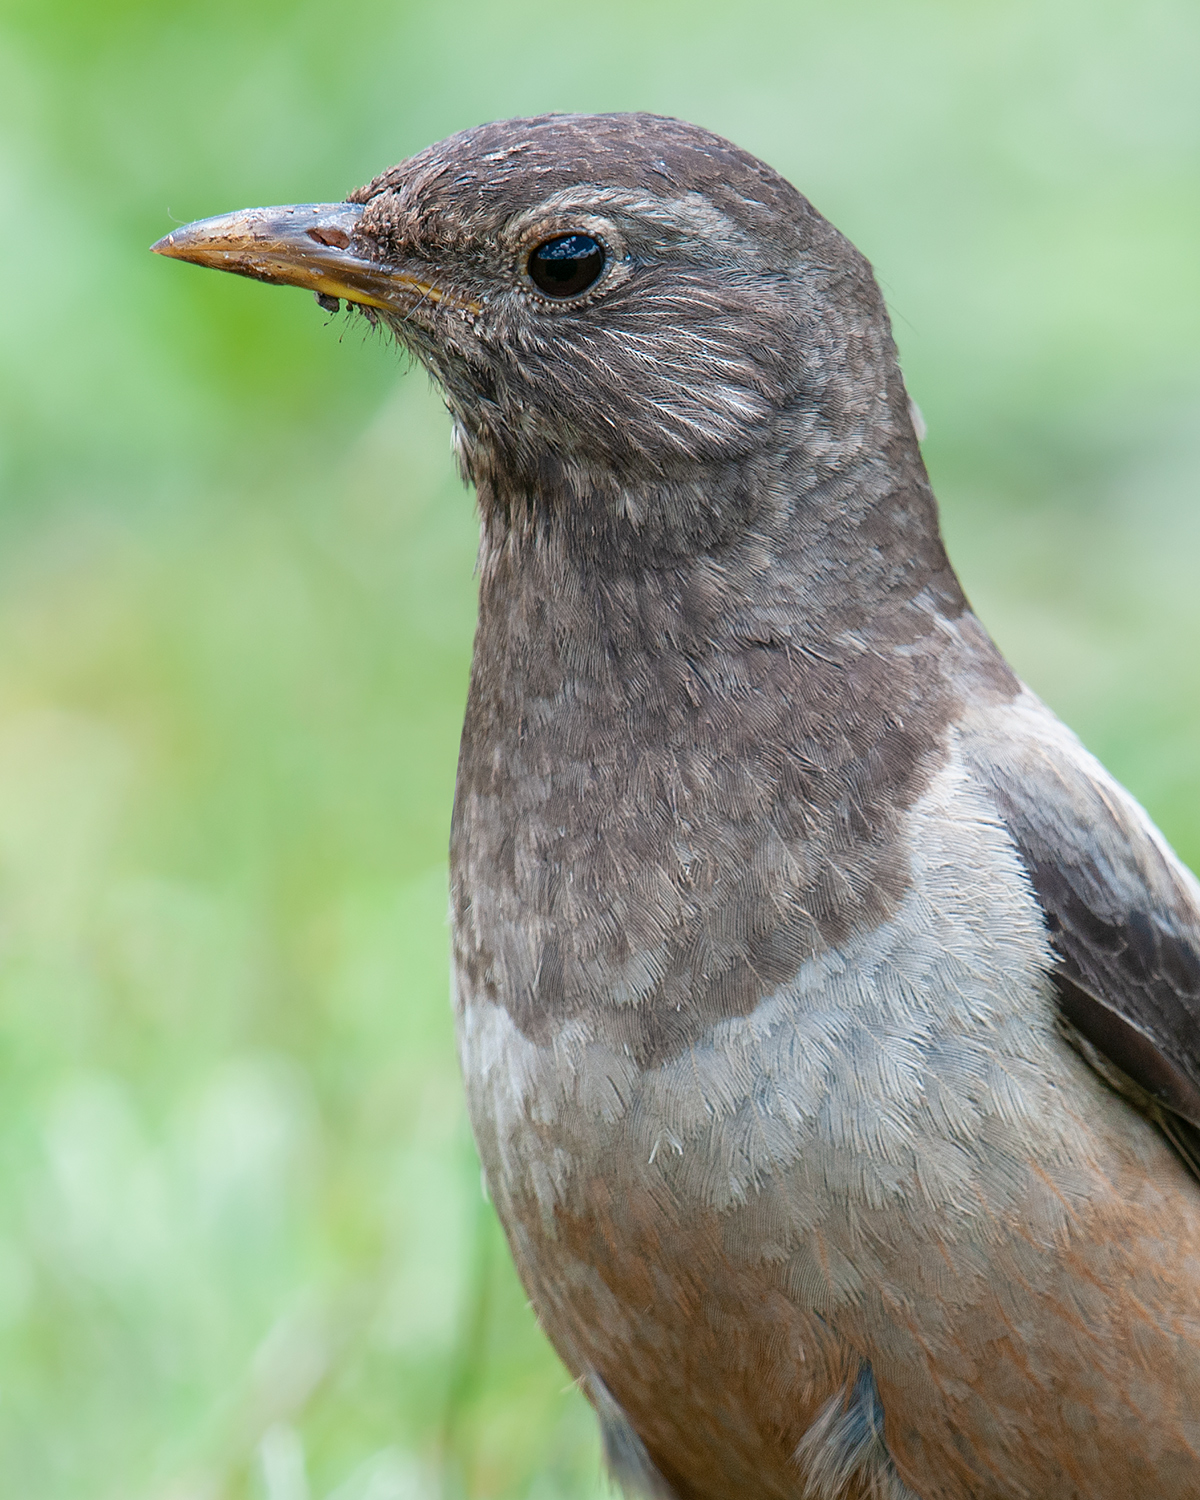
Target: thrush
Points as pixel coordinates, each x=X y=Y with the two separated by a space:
x=828 y=1015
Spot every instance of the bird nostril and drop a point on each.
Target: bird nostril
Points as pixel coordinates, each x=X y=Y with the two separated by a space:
x=338 y=238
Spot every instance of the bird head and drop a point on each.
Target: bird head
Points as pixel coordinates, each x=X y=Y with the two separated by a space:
x=611 y=304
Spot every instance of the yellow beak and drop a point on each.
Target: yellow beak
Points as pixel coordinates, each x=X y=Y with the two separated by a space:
x=310 y=245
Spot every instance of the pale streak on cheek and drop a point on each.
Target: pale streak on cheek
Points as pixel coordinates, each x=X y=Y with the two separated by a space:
x=460 y=448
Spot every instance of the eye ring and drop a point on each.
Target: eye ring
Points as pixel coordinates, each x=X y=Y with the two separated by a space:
x=567 y=265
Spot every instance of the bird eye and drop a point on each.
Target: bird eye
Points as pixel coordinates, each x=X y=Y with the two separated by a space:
x=566 y=265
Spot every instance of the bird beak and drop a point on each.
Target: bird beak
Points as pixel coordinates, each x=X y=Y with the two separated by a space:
x=312 y=245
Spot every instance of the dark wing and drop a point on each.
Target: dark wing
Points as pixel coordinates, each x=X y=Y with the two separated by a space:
x=1122 y=912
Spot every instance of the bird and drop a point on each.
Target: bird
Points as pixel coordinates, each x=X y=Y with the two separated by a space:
x=828 y=1015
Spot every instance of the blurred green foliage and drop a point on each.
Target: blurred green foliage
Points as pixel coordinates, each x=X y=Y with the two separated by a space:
x=243 y=1250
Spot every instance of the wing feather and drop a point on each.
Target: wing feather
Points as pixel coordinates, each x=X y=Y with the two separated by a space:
x=1122 y=912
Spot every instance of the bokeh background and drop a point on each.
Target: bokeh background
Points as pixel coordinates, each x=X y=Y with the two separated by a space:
x=243 y=1250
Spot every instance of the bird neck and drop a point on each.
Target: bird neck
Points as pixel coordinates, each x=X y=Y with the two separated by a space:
x=697 y=562
x=733 y=728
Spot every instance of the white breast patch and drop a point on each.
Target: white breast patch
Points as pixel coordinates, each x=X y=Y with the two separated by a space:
x=916 y=1075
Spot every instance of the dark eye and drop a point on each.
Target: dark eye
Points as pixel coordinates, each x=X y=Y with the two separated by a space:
x=566 y=265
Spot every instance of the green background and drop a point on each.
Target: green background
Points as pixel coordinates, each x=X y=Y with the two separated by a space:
x=243 y=1250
